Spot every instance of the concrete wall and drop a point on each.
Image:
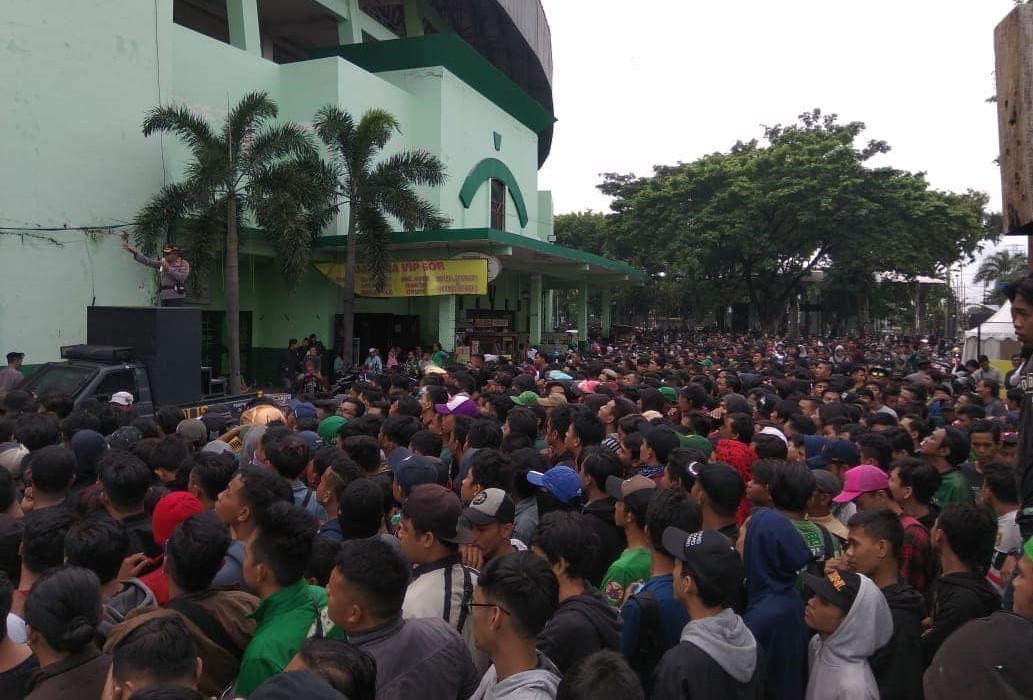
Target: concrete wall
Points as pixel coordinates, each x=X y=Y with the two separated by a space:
x=76 y=83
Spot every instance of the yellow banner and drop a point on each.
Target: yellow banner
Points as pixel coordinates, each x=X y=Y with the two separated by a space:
x=417 y=278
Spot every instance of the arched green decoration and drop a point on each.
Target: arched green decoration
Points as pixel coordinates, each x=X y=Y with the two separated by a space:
x=486 y=170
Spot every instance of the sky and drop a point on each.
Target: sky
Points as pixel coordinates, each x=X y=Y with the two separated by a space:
x=637 y=84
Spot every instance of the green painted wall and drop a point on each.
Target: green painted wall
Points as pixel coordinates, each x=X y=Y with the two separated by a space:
x=77 y=84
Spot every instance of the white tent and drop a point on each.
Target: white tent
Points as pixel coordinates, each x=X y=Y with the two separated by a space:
x=997 y=336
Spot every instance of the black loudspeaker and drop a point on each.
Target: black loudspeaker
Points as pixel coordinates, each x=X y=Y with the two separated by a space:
x=167 y=340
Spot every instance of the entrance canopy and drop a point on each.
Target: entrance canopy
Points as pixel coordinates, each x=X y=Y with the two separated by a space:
x=559 y=266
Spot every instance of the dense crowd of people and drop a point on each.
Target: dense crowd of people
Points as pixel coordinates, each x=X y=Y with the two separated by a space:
x=727 y=516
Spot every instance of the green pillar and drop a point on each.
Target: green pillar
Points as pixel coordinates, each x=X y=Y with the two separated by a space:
x=549 y=321
x=349 y=30
x=243 y=21
x=535 y=316
x=447 y=322
x=413 y=18
x=582 y=316
x=605 y=319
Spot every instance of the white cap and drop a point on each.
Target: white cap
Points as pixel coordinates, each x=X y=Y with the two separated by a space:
x=769 y=430
x=122 y=398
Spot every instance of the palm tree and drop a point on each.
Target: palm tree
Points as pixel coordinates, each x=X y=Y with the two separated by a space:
x=373 y=192
x=1000 y=267
x=249 y=168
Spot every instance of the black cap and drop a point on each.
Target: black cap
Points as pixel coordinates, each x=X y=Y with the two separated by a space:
x=11 y=356
x=125 y=437
x=838 y=586
x=707 y=555
x=722 y=484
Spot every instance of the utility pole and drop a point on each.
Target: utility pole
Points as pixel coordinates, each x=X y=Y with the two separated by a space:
x=1013 y=48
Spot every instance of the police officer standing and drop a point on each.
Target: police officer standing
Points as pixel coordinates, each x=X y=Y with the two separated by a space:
x=172 y=273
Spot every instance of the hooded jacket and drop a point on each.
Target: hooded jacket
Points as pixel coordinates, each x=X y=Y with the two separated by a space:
x=773 y=554
x=898 y=665
x=539 y=683
x=583 y=624
x=228 y=619
x=741 y=456
x=135 y=594
x=612 y=541
x=839 y=664
x=954 y=599
x=717 y=657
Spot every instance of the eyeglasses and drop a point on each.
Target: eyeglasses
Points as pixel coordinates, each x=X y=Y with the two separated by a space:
x=469 y=605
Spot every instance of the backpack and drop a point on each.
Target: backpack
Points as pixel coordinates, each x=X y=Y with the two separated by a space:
x=816 y=566
x=652 y=641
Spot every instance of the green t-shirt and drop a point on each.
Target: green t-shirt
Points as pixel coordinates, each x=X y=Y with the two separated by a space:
x=631 y=567
x=954 y=488
x=815 y=540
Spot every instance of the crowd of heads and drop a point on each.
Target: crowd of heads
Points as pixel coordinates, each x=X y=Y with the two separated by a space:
x=590 y=522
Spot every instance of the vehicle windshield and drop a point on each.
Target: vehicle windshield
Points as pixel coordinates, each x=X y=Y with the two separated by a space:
x=62 y=378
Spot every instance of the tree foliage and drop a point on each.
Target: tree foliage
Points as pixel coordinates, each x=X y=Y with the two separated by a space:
x=375 y=191
x=752 y=224
x=249 y=169
x=1000 y=267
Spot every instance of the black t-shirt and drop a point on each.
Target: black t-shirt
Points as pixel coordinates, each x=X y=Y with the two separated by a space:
x=13 y=681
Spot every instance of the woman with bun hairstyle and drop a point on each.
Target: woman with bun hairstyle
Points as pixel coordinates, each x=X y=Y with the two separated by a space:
x=61 y=617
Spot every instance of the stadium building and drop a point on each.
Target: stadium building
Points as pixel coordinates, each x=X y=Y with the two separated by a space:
x=469 y=80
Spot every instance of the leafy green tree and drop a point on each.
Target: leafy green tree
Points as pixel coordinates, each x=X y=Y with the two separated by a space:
x=249 y=168
x=1000 y=267
x=582 y=230
x=753 y=223
x=374 y=191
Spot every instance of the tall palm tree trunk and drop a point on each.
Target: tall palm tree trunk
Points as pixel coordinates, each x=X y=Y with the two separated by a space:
x=348 y=320
x=233 y=293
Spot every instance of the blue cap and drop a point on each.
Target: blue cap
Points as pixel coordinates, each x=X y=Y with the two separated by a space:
x=842 y=451
x=415 y=470
x=814 y=444
x=302 y=409
x=311 y=439
x=562 y=482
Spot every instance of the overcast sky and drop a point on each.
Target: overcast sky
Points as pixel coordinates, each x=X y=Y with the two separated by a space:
x=661 y=81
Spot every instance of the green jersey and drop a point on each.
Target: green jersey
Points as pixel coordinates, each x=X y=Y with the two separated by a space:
x=632 y=566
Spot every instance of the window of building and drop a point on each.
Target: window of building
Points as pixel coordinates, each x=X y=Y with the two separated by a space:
x=498 y=205
x=292 y=28
x=207 y=17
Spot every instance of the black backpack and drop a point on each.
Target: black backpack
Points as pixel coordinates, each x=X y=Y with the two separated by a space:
x=817 y=566
x=652 y=641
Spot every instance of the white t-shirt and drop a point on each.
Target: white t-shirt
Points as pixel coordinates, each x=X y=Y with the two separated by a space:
x=1009 y=541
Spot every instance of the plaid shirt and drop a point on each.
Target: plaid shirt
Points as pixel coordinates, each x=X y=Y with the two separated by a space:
x=917 y=564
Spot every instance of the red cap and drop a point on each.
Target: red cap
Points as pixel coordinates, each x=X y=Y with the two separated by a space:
x=170 y=511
